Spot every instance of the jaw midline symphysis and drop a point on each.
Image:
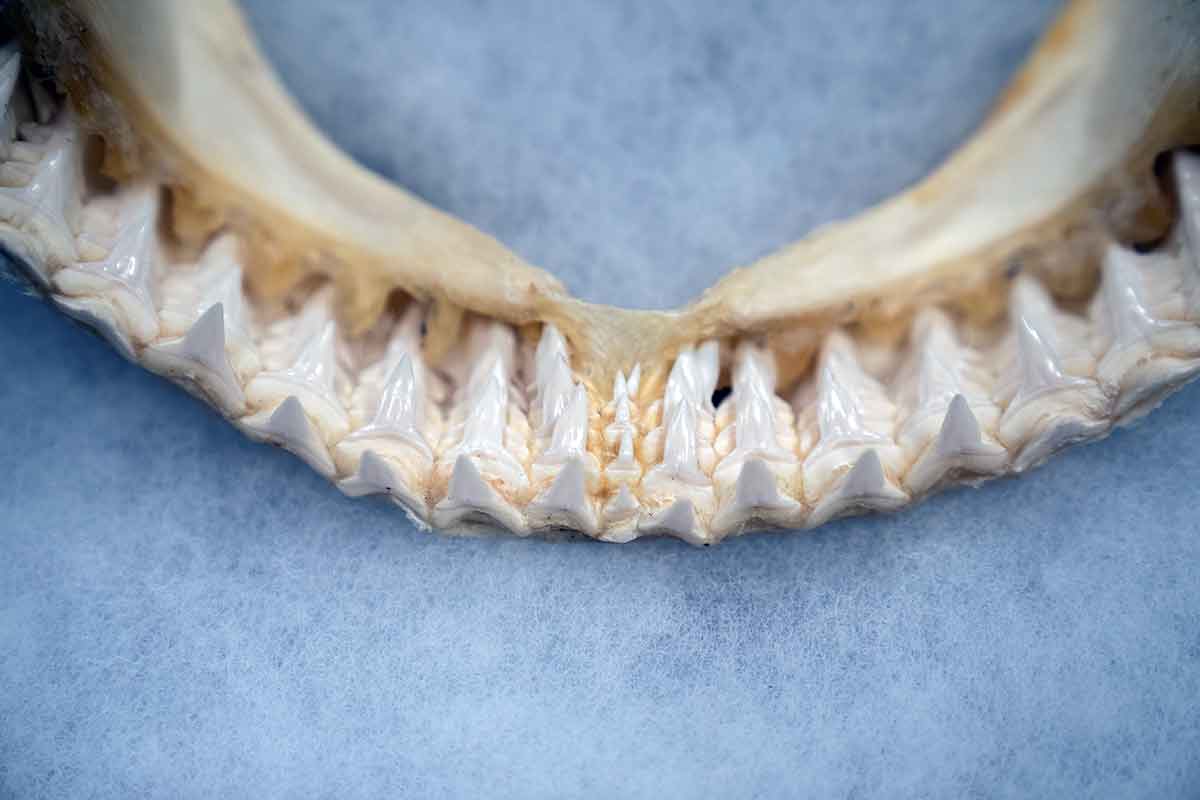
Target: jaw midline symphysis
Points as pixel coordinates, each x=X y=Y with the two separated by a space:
x=496 y=420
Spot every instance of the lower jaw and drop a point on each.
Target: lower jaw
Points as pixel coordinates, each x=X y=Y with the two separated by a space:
x=505 y=432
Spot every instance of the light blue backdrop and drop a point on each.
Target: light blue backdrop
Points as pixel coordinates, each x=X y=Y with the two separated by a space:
x=186 y=614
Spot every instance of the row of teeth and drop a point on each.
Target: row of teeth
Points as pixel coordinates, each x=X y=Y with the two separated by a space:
x=505 y=434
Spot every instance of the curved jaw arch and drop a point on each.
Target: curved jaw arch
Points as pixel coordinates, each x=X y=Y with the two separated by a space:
x=969 y=327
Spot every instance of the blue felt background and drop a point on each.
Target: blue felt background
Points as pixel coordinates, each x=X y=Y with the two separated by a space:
x=186 y=614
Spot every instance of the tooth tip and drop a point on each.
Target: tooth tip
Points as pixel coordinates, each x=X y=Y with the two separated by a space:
x=565 y=503
x=470 y=500
x=288 y=426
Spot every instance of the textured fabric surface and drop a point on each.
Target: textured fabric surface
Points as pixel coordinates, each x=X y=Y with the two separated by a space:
x=186 y=614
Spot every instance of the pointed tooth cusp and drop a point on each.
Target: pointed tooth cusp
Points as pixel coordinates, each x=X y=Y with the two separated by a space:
x=757 y=498
x=288 y=426
x=865 y=487
x=1048 y=407
x=762 y=426
x=621 y=517
x=377 y=475
x=959 y=449
x=472 y=501
x=841 y=415
x=486 y=439
x=121 y=290
x=204 y=324
x=300 y=359
x=566 y=503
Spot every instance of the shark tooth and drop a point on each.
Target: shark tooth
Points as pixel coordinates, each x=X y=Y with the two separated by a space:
x=288 y=426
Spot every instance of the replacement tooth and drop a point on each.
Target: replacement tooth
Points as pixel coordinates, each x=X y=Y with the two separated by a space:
x=683 y=441
x=1047 y=407
x=842 y=415
x=41 y=210
x=289 y=427
x=120 y=289
x=300 y=359
x=623 y=468
x=621 y=517
x=485 y=438
x=946 y=404
x=864 y=488
x=1144 y=356
x=763 y=424
x=206 y=339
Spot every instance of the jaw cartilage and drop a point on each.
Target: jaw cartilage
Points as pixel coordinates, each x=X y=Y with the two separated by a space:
x=943 y=338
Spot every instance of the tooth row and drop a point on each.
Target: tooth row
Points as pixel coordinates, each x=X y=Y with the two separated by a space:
x=504 y=433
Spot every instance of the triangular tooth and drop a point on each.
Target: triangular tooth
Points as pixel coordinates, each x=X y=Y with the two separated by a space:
x=570 y=430
x=960 y=446
x=679 y=520
x=551 y=349
x=960 y=430
x=756 y=496
x=470 y=500
x=289 y=427
x=376 y=476
x=680 y=459
x=565 y=503
x=865 y=487
x=200 y=355
x=621 y=517
x=554 y=395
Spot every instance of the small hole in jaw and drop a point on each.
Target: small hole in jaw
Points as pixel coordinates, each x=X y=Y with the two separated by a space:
x=719 y=395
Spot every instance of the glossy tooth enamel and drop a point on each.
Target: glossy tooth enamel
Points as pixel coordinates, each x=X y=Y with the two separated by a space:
x=466 y=387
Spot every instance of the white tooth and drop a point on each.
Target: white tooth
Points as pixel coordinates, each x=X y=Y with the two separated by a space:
x=849 y=415
x=624 y=468
x=1048 y=408
x=378 y=475
x=946 y=407
x=570 y=431
x=486 y=409
x=755 y=428
x=14 y=175
x=756 y=497
x=865 y=487
x=301 y=359
x=397 y=427
x=1137 y=344
x=622 y=411
x=680 y=461
x=551 y=349
x=554 y=395
x=43 y=209
x=634 y=381
x=126 y=277
x=200 y=355
x=470 y=500
x=565 y=504
x=621 y=516
x=487 y=426
x=685 y=437
x=960 y=447
x=289 y=427
x=679 y=520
